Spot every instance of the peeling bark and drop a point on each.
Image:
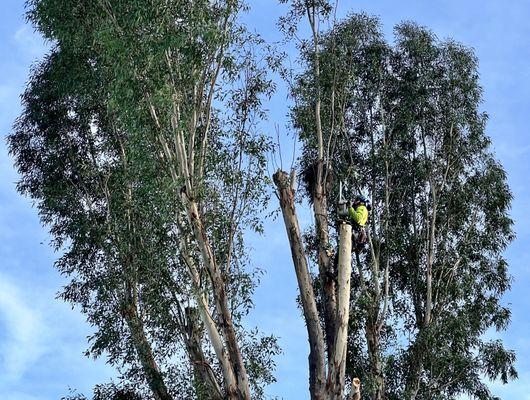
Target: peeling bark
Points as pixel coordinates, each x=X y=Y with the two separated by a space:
x=326 y=273
x=221 y=301
x=212 y=331
x=206 y=382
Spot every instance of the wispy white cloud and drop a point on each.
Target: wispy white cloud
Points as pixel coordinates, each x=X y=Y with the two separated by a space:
x=24 y=329
x=29 y=42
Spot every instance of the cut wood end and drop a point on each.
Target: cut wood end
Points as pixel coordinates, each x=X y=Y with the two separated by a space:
x=355 y=393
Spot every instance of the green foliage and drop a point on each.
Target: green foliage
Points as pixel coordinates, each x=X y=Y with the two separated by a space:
x=402 y=122
x=88 y=152
x=108 y=391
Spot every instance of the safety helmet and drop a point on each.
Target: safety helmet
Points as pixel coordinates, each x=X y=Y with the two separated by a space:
x=361 y=199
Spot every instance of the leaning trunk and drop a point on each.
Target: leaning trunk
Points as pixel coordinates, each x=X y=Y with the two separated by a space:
x=206 y=385
x=209 y=324
x=307 y=295
x=221 y=301
x=144 y=351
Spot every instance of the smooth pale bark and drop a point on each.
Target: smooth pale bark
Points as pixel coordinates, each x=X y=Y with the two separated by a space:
x=337 y=367
x=179 y=167
x=219 y=349
x=305 y=285
x=430 y=262
x=224 y=322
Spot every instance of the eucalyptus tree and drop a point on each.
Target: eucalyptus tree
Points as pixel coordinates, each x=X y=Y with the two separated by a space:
x=453 y=223
x=138 y=142
x=402 y=123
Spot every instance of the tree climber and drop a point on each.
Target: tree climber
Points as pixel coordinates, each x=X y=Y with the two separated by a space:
x=358 y=216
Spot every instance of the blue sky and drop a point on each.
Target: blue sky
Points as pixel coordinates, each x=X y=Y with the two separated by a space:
x=42 y=339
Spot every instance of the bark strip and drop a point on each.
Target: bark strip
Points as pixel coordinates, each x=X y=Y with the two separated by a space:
x=229 y=377
x=320 y=210
x=221 y=301
x=206 y=383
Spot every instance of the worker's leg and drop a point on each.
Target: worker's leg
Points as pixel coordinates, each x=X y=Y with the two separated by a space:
x=362 y=235
x=361 y=240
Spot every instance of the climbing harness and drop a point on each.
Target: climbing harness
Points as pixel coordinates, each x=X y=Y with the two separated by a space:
x=358 y=238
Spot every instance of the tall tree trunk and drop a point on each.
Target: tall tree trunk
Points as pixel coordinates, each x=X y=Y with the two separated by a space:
x=326 y=273
x=221 y=301
x=337 y=367
x=320 y=206
x=316 y=338
x=210 y=326
x=206 y=384
x=221 y=353
x=373 y=336
x=153 y=375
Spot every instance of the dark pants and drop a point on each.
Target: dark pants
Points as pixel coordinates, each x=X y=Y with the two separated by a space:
x=358 y=238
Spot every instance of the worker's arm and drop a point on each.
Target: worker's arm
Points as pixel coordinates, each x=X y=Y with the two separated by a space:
x=354 y=215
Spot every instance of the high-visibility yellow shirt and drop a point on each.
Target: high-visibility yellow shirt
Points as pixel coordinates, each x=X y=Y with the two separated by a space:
x=359 y=215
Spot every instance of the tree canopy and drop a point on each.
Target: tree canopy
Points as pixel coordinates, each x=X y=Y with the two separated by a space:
x=140 y=142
